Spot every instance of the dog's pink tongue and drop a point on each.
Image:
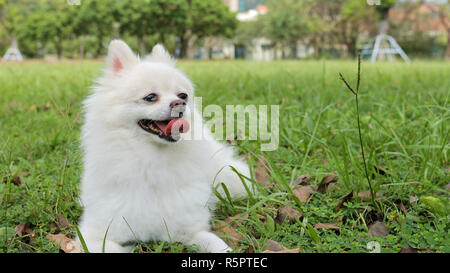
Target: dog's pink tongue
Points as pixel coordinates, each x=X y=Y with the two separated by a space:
x=178 y=125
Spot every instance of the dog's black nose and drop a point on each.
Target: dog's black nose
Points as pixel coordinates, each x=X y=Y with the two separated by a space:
x=177 y=103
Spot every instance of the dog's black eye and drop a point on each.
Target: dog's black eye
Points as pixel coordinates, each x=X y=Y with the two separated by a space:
x=151 y=97
x=183 y=96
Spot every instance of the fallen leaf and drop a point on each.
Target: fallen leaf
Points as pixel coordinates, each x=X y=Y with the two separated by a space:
x=62 y=222
x=329 y=178
x=401 y=206
x=408 y=249
x=262 y=172
x=24 y=230
x=295 y=250
x=366 y=196
x=229 y=235
x=234 y=220
x=413 y=199
x=344 y=199
x=447 y=187
x=226 y=230
x=16 y=180
x=378 y=229
x=66 y=244
x=288 y=213
x=331 y=187
x=303 y=193
x=326 y=226
x=274 y=246
x=302 y=180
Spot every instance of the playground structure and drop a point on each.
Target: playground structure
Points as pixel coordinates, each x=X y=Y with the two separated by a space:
x=383 y=46
x=13 y=53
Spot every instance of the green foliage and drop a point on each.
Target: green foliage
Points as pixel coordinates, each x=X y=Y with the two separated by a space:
x=50 y=24
x=96 y=18
x=142 y=18
x=436 y=205
x=288 y=20
x=205 y=18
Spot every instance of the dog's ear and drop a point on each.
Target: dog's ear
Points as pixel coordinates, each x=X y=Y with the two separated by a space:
x=160 y=55
x=120 y=56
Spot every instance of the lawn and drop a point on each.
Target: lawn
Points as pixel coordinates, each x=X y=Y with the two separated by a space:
x=405 y=128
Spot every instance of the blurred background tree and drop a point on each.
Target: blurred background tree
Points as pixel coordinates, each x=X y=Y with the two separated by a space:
x=96 y=18
x=205 y=18
x=288 y=22
x=325 y=28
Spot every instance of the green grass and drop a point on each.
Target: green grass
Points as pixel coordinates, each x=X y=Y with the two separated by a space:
x=405 y=125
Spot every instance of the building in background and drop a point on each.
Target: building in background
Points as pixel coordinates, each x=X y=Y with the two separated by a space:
x=262 y=49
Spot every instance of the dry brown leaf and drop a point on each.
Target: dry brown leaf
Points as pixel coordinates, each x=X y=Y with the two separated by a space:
x=401 y=206
x=16 y=180
x=378 y=229
x=413 y=199
x=288 y=213
x=302 y=180
x=226 y=230
x=24 y=230
x=366 y=196
x=332 y=187
x=295 y=250
x=346 y=198
x=262 y=173
x=274 y=246
x=62 y=222
x=229 y=235
x=66 y=244
x=327 y=179
x=408 y=249
x=326 y=226
x=303 y=193
x=234 y=220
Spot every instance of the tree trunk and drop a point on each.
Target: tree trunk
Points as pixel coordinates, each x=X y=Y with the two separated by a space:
x=14 y=43
x=294 y=49
x=142 y=47
x=99 y=46
x=59 y=49
x=81 y=52
x=184 y=45
x=447 y=49
x=352 y=47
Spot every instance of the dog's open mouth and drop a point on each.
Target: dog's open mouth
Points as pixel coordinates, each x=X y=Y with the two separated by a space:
x=169 y=130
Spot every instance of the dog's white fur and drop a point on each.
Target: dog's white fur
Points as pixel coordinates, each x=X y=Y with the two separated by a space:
x=135 y=185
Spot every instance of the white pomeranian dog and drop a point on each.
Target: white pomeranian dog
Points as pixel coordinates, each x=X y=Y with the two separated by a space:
x=143 y=179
